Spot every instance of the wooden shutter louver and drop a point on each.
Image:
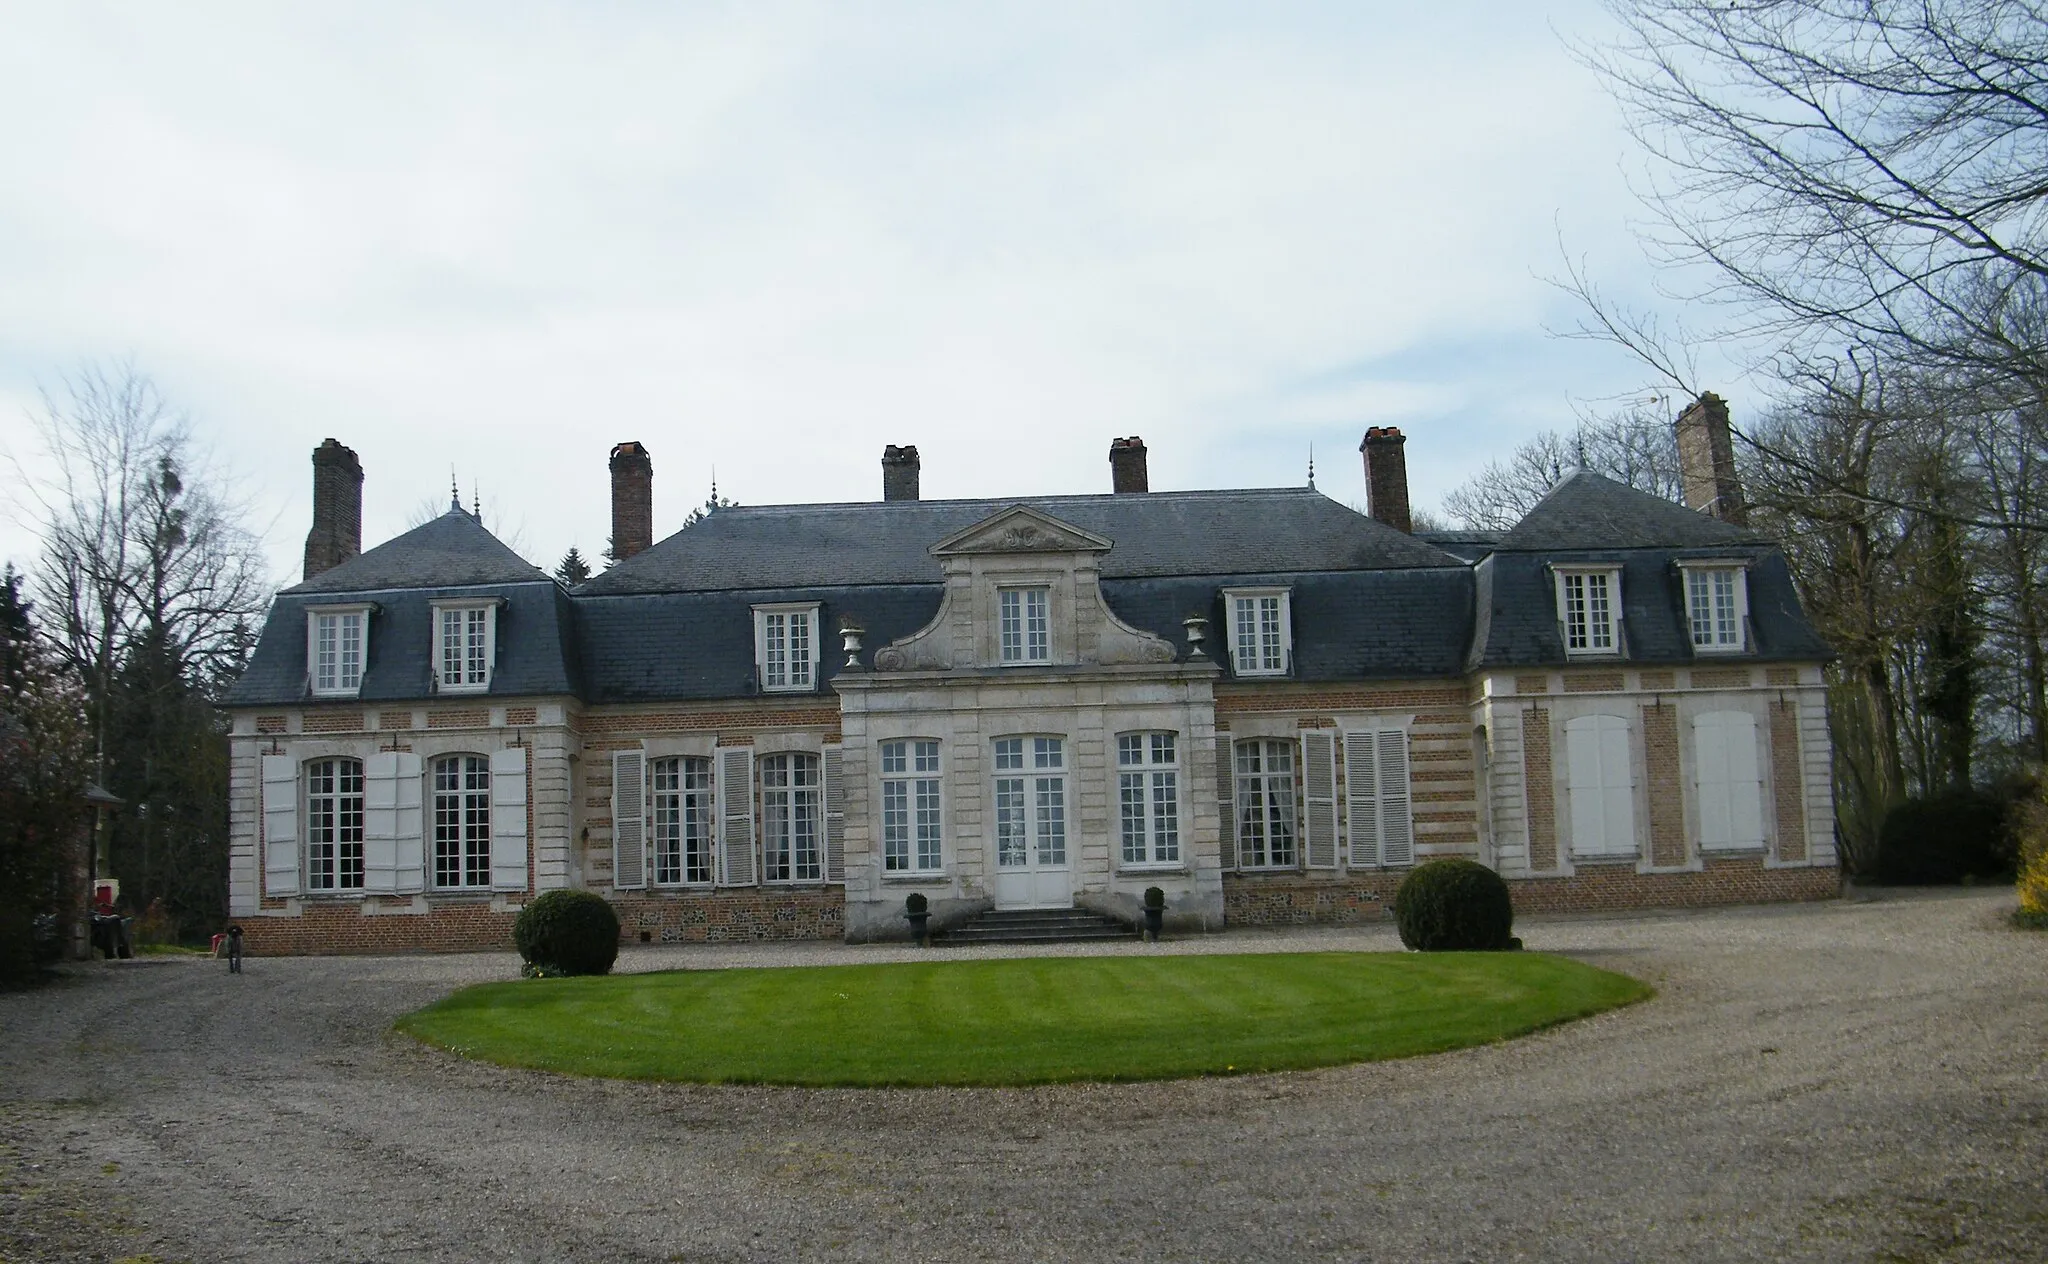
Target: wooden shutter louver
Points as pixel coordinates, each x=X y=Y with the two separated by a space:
x=629 y=820
x=736 y=816
x=1362 y=797
x=508 y=819
x=380 y=823
x=1319 y=808
x=280 y=825
x=832 y=765
x=1397 y=823
x=1226 y=803
x=409 y=865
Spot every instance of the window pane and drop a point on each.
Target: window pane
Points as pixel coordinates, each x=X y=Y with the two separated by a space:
x=1011 y=603
x=1037 y=643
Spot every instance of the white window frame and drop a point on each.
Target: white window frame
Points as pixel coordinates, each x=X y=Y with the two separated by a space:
x=1032 y=645
x=1266 y=795
x=1608 y=629
x=786 y=806
x=344 y=818
x=469 y=833
x=1718 y=639
x=478 y=646
x=1031 y=798
x=342 y=686
x=1148 y=800
x=1264 y=650
x=912 y=806
x=673 y=805
x=799 y=673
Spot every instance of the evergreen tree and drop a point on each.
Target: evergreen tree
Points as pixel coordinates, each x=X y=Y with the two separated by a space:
x=572 y=569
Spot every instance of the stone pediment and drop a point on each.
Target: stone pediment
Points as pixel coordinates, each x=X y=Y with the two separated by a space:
x=1020 y=529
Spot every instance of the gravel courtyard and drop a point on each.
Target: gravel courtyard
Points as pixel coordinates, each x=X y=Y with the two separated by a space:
x=1849 y=1081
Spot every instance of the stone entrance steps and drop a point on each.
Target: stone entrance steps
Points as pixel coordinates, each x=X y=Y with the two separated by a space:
x=1036 y=926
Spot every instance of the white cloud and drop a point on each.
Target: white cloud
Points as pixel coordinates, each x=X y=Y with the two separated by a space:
x=774 y=238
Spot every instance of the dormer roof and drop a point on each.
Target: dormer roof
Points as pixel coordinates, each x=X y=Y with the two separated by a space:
x=454 y=550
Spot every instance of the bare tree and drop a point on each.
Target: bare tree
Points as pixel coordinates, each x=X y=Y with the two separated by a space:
x=1635 y=446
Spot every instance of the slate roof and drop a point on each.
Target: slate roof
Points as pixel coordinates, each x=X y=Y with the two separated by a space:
x=1268 y=531
x=451 y=551
x=537 y=652
x=1588 y=511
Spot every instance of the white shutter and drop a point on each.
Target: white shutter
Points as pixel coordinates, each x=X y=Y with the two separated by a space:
x=1397 y=823
x=1618 y=784
x=1226 y=803
x=1745 y=781
x=1362 y=797
x=736 y=816
x=1710 y=775
x=508 y=819
x=1601 y=785
x=1728 y=778
x=1319 y=808
x=380 y=822
x=280 y=825
x=832 y=767
x=409 y=866
x=629 y=820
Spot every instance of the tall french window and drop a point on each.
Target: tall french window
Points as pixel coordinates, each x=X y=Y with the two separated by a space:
x=334 y=825
x=1031 y=801
x=1265 y=805
x=1148 y=792
x=789 y=818
x=911 y=829
x=462 y=821
x=682 y=811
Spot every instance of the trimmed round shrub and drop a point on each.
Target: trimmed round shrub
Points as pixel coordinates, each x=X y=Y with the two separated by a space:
x=916 y=902
x=1455 y=906
x=567 y=932
x=1946 y=838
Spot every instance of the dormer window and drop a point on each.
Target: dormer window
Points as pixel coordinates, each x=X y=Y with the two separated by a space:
x=786 y=647
x=335 y=639
x=1025 y=621
x=1261 y=643
x=1716 y=606
x=1589 y=610
x=465 y=645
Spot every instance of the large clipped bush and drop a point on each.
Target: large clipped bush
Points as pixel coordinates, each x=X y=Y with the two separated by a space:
x=1946 y=838
x=567 y=932
x=2030 y=831
x=1455 y=906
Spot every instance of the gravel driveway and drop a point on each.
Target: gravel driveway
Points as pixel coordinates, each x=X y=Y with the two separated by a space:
x=1848 y=1081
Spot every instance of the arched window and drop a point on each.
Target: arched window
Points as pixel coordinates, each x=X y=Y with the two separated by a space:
x=682 y=811
x=1265 y=805
x=462 y=821
x=911 y=815
x=790 y=835
x=334 y=825
x=1148 y=796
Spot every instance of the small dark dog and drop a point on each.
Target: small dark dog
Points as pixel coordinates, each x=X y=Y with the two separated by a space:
x=234 y=950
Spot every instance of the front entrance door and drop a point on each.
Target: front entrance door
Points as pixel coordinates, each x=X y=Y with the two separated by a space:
x=1032 y=868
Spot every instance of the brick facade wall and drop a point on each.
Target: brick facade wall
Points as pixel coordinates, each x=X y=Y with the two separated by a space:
x=1541 y=792
x=340 y=927
x=1293 y=899
x=732 y=916
x=1788 y=772
x=1667 y=806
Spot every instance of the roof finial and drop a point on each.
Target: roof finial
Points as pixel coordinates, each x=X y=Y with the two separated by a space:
x=1311 y=465
x=714 y=486
x=476 y=501
x=454 y=492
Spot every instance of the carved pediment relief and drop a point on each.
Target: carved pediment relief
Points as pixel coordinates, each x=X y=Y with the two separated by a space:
x=1020 y=529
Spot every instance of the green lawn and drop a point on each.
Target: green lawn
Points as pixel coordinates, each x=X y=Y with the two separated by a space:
x=1027 y=1020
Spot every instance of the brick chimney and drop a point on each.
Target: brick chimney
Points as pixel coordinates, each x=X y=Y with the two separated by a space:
x=632 y=500
x=337 y=533
x=1706 y=460
x=1127 y=466
x=899 y=472
x=1386 y=476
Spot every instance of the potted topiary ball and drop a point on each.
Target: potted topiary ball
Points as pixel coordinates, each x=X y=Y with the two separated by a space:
x=567 y=932
x=1455 y=906
x=1155 y=912
x=918 y=910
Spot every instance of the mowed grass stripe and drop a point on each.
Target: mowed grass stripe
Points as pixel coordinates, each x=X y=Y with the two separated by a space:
x=1031 y=1020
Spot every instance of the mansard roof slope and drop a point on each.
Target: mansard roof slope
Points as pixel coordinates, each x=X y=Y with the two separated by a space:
x=452 y=551
x=1589 y=511
x=1154 y=534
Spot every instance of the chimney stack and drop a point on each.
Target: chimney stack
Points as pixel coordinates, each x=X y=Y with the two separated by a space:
x=1127 y=466
x=1706 y=460
x=632 y=500
x=899 y=472
x=337 y=533
x=1386 y=476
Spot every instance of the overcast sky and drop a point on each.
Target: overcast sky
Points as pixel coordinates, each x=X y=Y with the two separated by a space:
x=772 y=238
